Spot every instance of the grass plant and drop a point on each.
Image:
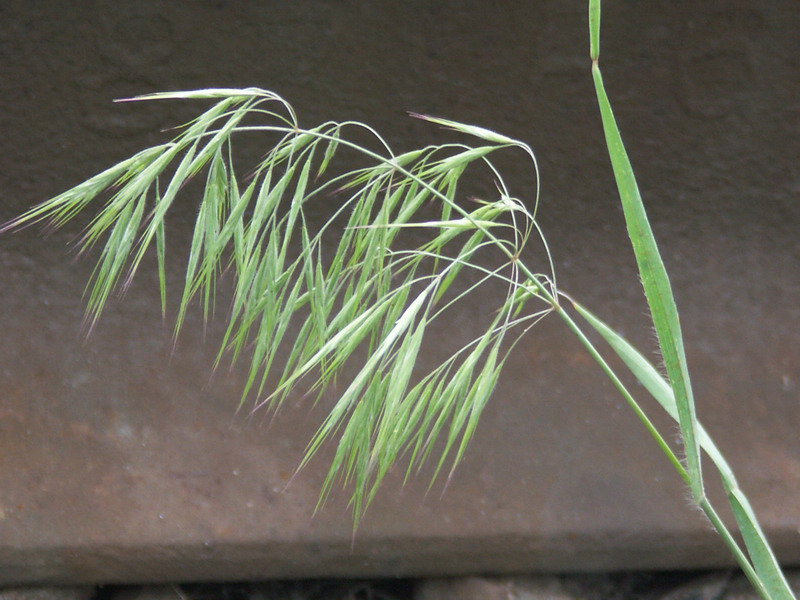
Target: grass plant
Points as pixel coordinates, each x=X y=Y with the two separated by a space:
x=376 y=292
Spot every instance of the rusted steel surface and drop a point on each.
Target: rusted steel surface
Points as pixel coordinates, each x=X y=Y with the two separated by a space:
x=121 y=460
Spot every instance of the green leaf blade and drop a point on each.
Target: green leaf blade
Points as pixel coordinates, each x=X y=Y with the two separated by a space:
x=657 y=287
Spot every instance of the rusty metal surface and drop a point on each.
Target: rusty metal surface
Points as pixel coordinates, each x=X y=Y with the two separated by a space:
x=121 y=460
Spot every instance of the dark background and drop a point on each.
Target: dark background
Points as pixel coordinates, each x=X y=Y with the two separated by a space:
x=109 y=443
